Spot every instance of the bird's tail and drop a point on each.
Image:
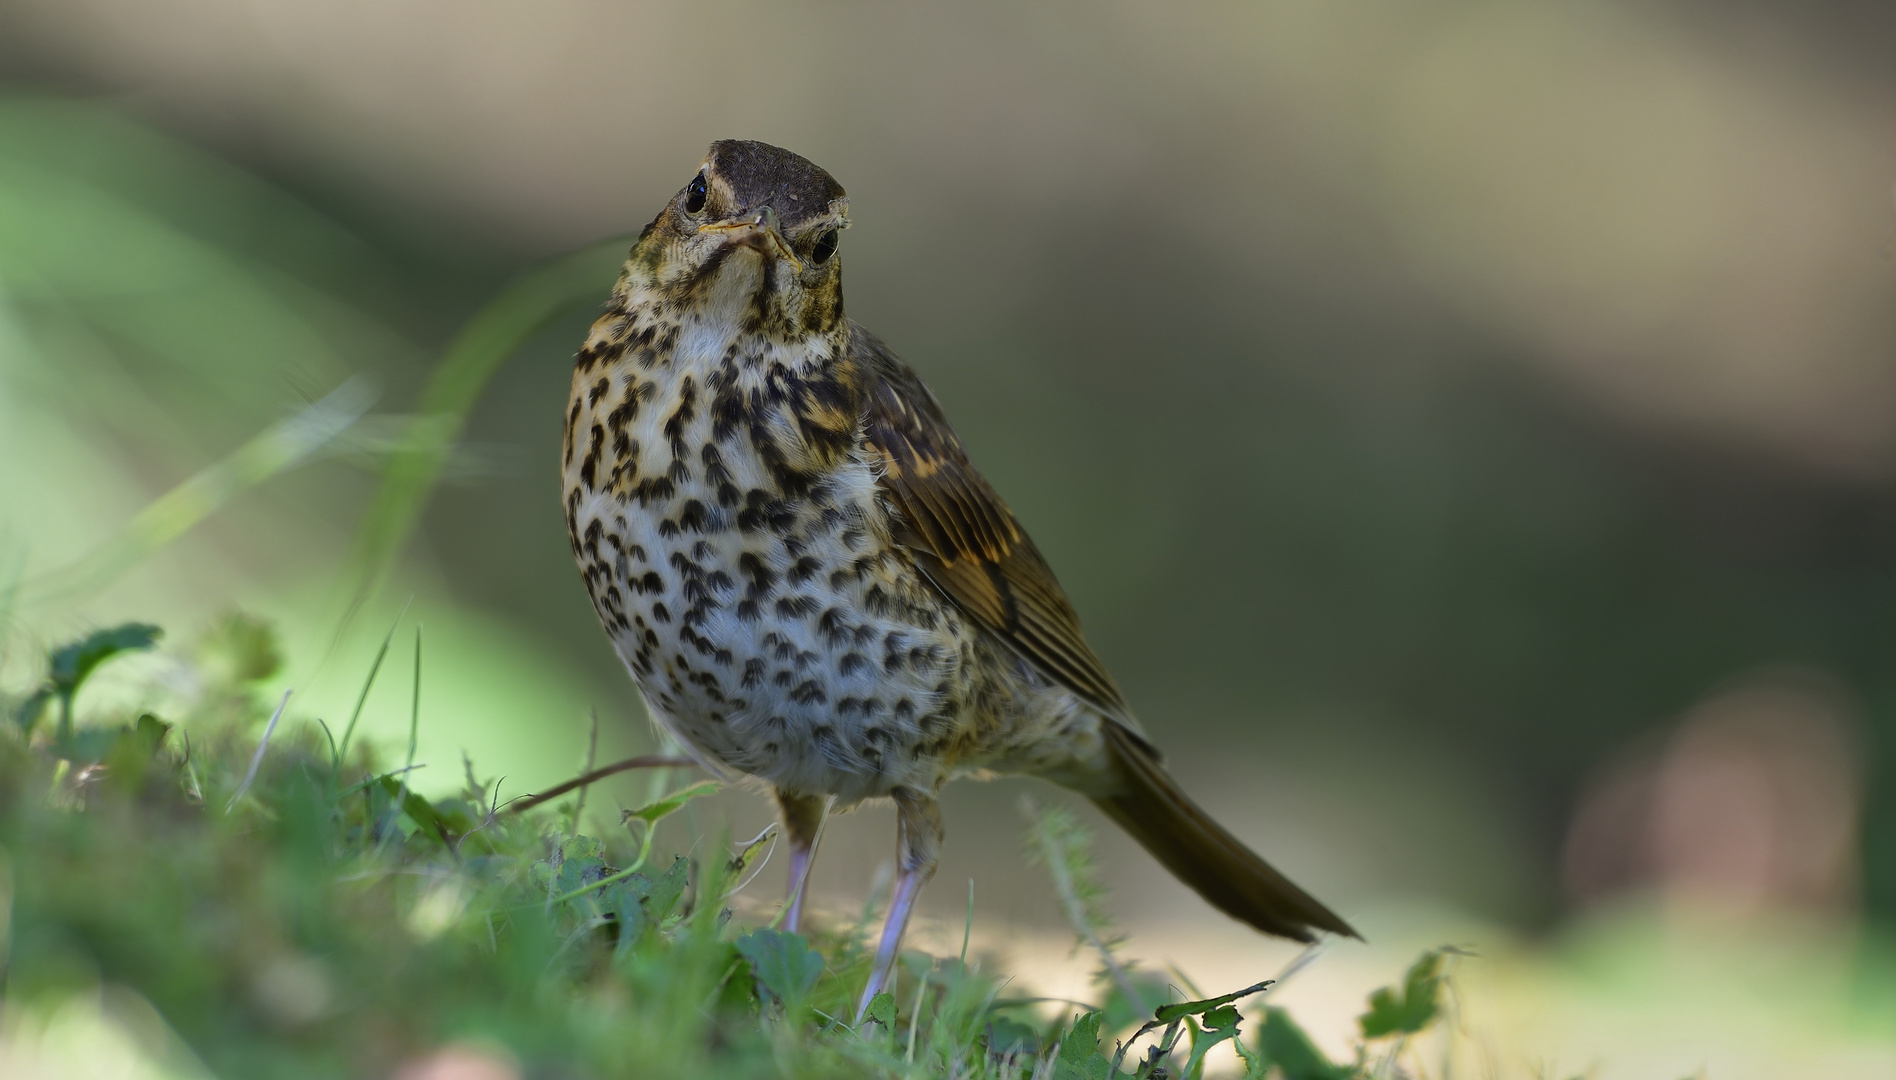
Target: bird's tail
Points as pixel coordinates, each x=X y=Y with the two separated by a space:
x=1198 y=851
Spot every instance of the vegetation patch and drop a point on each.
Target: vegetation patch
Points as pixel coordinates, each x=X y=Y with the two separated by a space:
x=291 y=908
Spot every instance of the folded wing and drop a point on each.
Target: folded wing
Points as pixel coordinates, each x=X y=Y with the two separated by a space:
x=964 y=538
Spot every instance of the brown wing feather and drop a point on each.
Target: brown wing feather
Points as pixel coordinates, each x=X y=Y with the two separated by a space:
x=962 y=535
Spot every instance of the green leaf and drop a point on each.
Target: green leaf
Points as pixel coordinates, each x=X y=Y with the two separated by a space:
x=74 y=663
x=1282 y=1044
x=151 y=732
x=1168 y=1013
x=784 y=964
x=670 y=804
x=882 y=1009
x=418 y=809
x=625 y=900
x=1216 y=1026
x=1080 y=1058
x=582 y=847
x=1408 y=1010
x=582 y=862
x=741 y=862
x=1222 y=1019
x=667 y=889
x=131 y=753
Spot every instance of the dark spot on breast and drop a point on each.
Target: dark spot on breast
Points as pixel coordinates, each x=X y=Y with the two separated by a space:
x=653 y=489
x=681 y=416
x=692 y=517
x=622 y=414
x=763 y=580
x=834 y=626
x=714 y=470
x=589 y=468
x=796 y=607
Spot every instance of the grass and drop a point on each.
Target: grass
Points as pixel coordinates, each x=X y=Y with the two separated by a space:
x=291 y=909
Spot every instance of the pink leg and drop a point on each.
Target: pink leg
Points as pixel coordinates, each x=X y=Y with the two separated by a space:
x=918 y=848
x=802 y=817
x=802 y=854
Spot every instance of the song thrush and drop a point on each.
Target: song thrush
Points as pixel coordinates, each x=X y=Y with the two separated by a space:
x=806 y=576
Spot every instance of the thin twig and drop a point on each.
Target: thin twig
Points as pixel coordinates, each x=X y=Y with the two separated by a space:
x=650 y=761
x=256 y=759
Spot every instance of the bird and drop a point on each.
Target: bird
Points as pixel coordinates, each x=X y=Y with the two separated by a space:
x=808 y=579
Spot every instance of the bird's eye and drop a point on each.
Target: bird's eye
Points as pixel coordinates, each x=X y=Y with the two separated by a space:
x=825 y=247
x=694 y=195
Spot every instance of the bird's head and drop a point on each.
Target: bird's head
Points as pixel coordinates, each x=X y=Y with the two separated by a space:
x=753 y=238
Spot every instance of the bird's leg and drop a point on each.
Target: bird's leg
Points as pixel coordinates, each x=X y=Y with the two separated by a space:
x=802 y=817
x=918 y=847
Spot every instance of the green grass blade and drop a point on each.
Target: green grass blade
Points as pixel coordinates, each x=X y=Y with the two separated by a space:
x=521 y=310
x=414 y=721
x=381 y=654
x=279 y=448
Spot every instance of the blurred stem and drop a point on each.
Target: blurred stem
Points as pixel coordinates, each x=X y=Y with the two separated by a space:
x=280 y=447
x=524 y=308
x=1058 y=836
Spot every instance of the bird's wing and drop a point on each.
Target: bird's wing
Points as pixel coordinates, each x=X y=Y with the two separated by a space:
x=963 y=537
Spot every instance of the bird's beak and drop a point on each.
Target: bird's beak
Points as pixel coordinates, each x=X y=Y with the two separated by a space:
x=758 y=230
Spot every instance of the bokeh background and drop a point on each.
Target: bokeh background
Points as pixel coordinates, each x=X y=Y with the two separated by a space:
x=1467 y=428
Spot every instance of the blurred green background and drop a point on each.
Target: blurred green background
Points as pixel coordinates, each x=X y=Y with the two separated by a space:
x=1467 y=429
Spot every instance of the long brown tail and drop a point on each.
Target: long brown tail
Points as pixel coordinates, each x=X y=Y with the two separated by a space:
x=1199 y=852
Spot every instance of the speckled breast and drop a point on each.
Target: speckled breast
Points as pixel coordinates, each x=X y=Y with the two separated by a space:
x=758 y=602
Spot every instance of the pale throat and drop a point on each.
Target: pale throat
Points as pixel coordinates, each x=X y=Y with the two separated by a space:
x=722 y=324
